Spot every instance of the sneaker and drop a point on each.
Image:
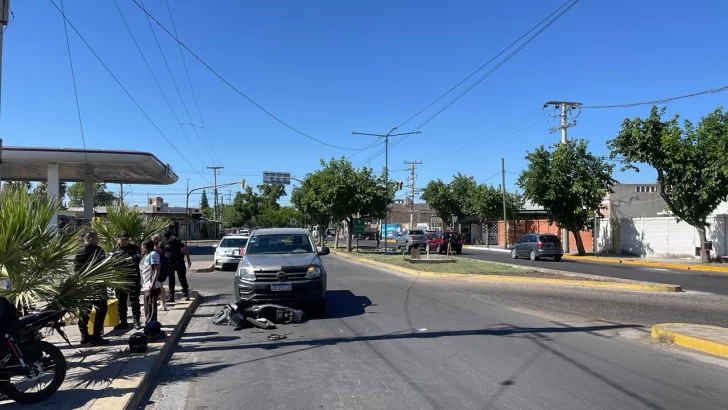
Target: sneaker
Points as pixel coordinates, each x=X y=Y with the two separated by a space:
x=122 y=326
x=98 y=341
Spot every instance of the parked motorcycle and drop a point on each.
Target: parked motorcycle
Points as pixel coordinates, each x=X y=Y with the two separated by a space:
x=26 y=359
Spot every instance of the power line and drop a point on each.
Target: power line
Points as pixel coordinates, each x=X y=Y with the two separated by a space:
x=662 y=101
x=75 y=90
x=156 y=81
x=189 y=80
x=120 y=84
x=260 y=107
x=496 y=67
x=179 y=94
x=484 y=65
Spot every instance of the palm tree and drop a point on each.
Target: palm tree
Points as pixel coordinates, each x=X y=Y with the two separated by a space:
x=119 y=218
x=37 y=259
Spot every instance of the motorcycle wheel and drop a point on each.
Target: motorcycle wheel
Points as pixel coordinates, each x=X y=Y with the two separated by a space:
x=50 y=357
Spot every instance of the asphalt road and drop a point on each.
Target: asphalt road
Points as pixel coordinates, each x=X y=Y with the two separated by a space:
x=395 y=341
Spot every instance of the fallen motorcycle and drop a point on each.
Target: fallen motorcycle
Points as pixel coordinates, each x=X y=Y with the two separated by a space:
x=30 y=360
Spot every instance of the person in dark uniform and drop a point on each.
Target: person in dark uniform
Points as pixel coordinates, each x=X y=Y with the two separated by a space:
x=178 y=252
x=125 y=249
x=90 y=255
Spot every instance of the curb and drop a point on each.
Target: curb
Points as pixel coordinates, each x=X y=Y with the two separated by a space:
x=681 y=266
x=660 y=333
x=203 y=270
x=632 y=285
x=143 y=384
x=491 y=249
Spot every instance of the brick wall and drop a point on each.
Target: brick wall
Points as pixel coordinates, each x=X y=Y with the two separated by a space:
x=519 y=228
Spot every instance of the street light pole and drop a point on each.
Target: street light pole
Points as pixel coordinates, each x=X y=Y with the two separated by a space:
x=190 y=191
x=386 y=169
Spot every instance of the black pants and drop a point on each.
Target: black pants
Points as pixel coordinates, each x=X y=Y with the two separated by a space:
x=101 y=308
x=181 y=270
x=133 y=295
x=150 y=304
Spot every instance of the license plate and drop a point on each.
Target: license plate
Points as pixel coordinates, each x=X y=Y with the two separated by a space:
x=280 y=287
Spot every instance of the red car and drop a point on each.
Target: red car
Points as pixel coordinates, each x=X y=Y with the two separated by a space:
x=439 y=240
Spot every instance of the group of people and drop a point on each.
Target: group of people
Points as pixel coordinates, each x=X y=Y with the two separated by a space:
x=158 y=259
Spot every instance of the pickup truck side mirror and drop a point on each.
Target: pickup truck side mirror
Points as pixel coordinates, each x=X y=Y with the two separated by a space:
x=324 y=251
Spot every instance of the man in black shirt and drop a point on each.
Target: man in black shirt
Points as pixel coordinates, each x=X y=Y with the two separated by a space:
x=178 y=252
x=125 y=249
x=90 y=255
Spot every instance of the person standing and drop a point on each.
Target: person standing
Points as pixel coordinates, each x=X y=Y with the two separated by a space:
x=125 y=249
x=151 y=286
x=178 y=252
x=90 y=255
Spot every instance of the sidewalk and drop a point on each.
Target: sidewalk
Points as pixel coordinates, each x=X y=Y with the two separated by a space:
x=681 y=264
x=201 y=266
x=706 y=339
x=109 y=377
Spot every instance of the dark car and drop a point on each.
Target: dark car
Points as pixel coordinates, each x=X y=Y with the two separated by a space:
x=282 y=265
x=538 y=245
x=439 y=240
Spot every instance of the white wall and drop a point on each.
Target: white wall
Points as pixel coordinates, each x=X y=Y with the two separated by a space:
x=660 y=236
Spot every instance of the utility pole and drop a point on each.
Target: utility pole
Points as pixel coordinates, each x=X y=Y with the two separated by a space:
x=121 y=194
x=214 y=171
x=222 y=197
x=4 y=13
x=565 y=107
x=505 y=212
x=412 y=165
x=386 y=169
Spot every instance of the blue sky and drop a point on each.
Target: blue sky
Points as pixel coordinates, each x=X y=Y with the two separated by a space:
x=330 y=67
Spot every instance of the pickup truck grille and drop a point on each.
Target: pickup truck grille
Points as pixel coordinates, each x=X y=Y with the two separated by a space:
x=293 y=274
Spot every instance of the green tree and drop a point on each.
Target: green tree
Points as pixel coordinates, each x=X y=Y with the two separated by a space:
x=568 y=182
x=138 y=226
x=16 y=185
x=438 y=195
x=344 y=192
x=204 y=203
x=487 y=204
x=41 y=188
x=281 y=217
x=101 y=196
x=691 y=164
x=270 y=194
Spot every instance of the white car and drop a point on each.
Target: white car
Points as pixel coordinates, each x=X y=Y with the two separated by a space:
x=229 y=251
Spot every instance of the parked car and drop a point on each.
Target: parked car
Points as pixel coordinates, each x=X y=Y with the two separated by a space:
x=229 y=251
x=537 y=245
x=411 y=238
x=282 y=265
x=438 y=242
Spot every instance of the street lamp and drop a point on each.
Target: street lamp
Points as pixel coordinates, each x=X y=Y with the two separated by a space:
x=386 y=168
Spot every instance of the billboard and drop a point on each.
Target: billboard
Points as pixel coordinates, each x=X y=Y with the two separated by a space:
x=390 y=230
x=282 y=178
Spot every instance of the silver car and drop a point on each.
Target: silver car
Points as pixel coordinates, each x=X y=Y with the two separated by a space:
x=229 y=251
x=282 y=265
x=412 y=238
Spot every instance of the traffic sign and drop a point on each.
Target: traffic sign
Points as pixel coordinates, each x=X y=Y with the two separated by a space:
x=280 y=178
x=358 y=225
x=293 y=222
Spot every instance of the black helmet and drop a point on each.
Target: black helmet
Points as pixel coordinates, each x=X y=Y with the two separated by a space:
x=138 y=342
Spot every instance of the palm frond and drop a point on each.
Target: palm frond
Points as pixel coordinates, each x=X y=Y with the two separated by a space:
x=140 y=227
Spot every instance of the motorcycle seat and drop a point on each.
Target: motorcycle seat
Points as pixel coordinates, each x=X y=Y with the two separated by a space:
x=28 y=320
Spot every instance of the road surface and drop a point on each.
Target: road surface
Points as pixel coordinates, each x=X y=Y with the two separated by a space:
x=395 y=341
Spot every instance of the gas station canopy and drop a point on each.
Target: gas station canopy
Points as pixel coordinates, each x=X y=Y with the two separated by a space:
x=78 y=165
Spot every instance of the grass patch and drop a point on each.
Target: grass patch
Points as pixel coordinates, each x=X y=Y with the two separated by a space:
x=463 y=266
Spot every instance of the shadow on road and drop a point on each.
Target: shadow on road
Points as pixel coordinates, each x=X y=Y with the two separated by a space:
x=343 y=303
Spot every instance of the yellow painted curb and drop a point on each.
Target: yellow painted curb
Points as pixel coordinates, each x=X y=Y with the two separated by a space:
x=682 y=266
x=659 y=333
x=522 y=279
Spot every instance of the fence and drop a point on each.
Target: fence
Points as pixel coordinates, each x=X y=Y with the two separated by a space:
x=660 y=236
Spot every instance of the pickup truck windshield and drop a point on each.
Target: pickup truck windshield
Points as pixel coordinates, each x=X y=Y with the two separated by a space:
x=272 y=244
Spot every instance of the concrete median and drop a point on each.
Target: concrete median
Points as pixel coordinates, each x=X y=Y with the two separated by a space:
x=703 y=338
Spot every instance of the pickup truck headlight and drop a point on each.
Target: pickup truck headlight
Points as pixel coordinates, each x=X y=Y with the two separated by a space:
x=245 y=271
x=314 y=271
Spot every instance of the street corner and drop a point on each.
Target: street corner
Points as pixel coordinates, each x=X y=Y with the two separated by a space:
x=703 y=338
x=135 y=379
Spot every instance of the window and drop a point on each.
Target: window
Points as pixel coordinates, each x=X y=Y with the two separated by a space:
x=654 y=189
x=233 y=243
x=283 y=243
x=418 y=232
x=549 y=238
